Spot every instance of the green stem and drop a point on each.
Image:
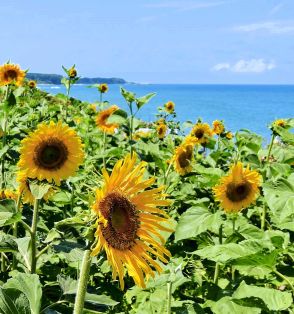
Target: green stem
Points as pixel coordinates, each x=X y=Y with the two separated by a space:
x=284 y=278
x=103 y=150
x=169 y=296
x=262 y=226
x=82 y=284
x=4 y=136
x=166 y=173
x=131 y=127
x=43 y=251
x=216 y=270
x=270 y=148
x=33 y=236
x=15 y=228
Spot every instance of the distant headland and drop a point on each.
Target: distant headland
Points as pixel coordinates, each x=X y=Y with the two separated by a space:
x=55 y=79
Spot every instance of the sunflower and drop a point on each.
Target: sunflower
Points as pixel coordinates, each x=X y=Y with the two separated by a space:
x=280 y=122
x=24 y=189
x=103 y=88
x=229 y=135
x=7 y=194
x=101 y=120
x=161 y=130
x=218 y=127
x=238 y=189
x=169 y=106
x=32 y=84
x=52 y=152
x=160 y=121
x=183 y=158
x=11 y=74
x=202 y=132
x=129 y=222
x=72 y=73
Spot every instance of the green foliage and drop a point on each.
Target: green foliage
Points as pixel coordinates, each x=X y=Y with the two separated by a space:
x=220 y=263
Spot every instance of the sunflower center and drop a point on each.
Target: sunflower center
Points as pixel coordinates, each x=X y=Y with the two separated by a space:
x=238 y=192
x=185 y=157
x=51 y=154
x=199 y=133
x=121 y=230
x=10 y=75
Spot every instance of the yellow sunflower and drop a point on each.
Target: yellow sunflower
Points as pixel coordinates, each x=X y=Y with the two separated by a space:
x=238 y=189
x=229 y=135
x=218 y=127
x=183 y=158
x=129 y=222
x=160 y=121
x=280 y=122
x=161 y=130
x=11 y=74
x=7 y=194
x=169 y=106
x=24 y=189
x=202 y=132
x=103 y=88
x=32 y=84
x=72 y=73
x=101 y=120
x=52 y=152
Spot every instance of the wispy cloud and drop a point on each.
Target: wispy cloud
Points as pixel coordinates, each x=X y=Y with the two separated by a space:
x=245 y=66
x=185 y=5
x=276 y=8
x=278 y=27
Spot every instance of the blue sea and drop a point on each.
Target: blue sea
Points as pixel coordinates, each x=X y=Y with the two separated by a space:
x=250 y=107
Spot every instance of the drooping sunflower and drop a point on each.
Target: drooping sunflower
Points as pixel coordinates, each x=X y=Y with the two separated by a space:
x=202 y=132
x=101 y=120
x=8 y=194
x=161 y=130
x=72 y=73
x=52 y=152
x=169 y=106
x=103 y=88
x=32 y=84
x=218 y=127
x=129 y=221
x=183 y=158
x=11 y=74
x=238 y=189
x=24 y=189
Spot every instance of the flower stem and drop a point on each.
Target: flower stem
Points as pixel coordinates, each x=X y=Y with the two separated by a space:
x=131 y=127
x=104 y=143
x=284 y=278
x=262 y=226
x=82 y=285
x=270 y=148
x=15 y=227
x=33 y=236
x=216 y=270
x=169 y=296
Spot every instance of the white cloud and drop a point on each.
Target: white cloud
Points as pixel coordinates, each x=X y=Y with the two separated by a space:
x=246 y=66
x=271 y=27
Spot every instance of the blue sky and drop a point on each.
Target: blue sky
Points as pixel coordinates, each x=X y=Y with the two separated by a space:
x=154 y=41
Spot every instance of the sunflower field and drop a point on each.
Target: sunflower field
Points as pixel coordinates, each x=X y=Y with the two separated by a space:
x=101 y=212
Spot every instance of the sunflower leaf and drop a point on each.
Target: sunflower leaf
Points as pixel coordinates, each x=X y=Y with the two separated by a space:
x=39 y=189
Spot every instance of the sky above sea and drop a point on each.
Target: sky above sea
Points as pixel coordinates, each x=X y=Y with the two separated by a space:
x=154 y=41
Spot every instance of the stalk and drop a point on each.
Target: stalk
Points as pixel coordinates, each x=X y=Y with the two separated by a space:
x=131 y=127
x=33 y=236
x=82 y=284
x=216 y=270
x=15 y=228
x=104 y=143
x=270 y=148
x=169 y=296
x=262 y=226
x=284 y=278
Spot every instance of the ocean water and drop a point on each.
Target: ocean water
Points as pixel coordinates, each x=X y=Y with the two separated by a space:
x=250 y=107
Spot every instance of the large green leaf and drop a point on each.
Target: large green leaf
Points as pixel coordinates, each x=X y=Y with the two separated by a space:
x=224 y=253
x=30 y=286
x=12 y=301
x=7 y=243
x=195 y=221
x=274 y=300
x=8 y=214
x=280 y=199
x=144 y=100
